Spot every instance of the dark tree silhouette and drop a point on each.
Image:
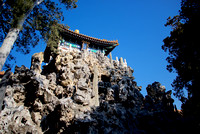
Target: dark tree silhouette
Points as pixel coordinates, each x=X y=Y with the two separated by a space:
x=183 y=46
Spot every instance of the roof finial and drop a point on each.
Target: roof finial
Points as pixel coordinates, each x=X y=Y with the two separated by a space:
x=76 y=31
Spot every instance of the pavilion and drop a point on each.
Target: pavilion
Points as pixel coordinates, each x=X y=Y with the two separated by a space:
x=75 y=40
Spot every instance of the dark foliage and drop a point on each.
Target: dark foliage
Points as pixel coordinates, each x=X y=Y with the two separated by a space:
x=183 y=48
x=184 y=58
x=38 y=24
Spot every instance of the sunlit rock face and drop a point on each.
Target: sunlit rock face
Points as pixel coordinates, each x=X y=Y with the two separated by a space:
x=81 y=92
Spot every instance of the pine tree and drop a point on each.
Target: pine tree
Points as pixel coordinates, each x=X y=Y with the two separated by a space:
x=24 y=22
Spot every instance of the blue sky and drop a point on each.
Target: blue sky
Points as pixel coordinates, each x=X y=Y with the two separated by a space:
x=138 y=25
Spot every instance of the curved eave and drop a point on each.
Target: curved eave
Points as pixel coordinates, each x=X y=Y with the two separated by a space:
x=90 y=39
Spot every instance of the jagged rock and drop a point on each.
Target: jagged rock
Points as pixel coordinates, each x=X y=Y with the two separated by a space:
x=36 y=117
x=79 y=92
x=66 y=83
x=36 y=62
x=3 y=86
x=157 y=98
x=95 y=91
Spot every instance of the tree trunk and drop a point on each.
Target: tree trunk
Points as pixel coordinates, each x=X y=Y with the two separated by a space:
x=7 y=45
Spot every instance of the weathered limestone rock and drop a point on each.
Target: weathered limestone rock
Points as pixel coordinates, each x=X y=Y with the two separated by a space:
x=66 y=83
x=81 y=93
x=125 y=63
x=36 y=117
x=117 y=61
x=95 y=93
x=3 y=85
x=111 y=61
x=157 y=98
x=121 y=62
x=36 y=62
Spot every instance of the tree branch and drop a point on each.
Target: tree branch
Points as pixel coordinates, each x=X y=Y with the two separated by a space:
x=38 y=2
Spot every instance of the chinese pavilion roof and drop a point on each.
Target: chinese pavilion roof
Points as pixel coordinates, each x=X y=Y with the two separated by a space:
x=107 y=44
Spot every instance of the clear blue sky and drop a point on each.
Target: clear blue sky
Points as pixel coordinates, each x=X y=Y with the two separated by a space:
x=138 y=25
